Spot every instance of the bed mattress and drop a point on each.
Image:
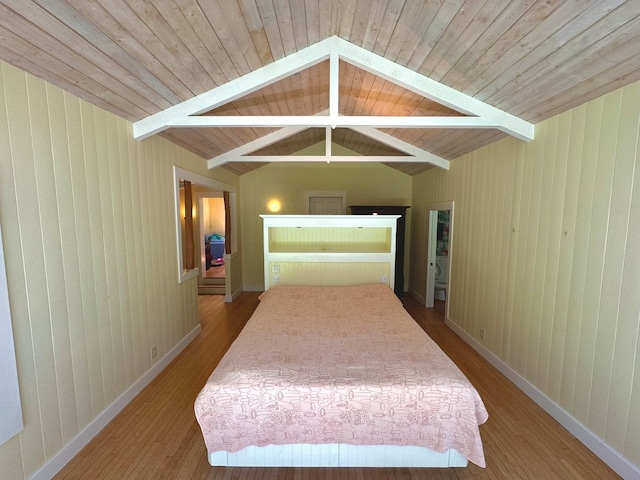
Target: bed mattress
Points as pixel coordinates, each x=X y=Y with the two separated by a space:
x=338 y=365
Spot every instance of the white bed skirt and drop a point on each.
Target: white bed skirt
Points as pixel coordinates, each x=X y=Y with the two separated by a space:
x=337 y=455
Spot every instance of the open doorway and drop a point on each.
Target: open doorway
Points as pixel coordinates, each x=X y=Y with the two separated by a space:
x=193 y=207
x=212 y=244
x=439 y=243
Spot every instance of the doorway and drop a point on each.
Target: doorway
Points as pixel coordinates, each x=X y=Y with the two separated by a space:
x=439 y=256
x=191 y=245
x=326 y=203
x=212 y=278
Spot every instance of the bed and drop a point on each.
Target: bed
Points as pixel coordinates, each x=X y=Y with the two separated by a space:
x=338 y=376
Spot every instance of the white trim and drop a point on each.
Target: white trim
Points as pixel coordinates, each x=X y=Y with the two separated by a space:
x=200 y=180
x=70 y=450
x=605 y=452
x=232 y=296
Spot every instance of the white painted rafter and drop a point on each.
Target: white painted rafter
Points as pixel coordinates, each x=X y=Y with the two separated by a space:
x=475 y=113
x=235 y=89
x=413 y=153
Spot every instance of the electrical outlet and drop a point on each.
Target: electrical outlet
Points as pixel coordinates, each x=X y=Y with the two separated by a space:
x=482 y=334
x=275 y=278
x=154 y=352
x=384 y=279
x=275 y=268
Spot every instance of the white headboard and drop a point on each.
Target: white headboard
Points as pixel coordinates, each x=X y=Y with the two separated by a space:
x=329 y=249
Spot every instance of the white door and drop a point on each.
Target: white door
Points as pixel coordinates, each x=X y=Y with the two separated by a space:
x=431 y=252
x=325 y=205
x=431 y=257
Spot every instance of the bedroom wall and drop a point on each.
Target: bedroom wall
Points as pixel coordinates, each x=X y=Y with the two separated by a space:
x=546 y=259
x=370 y=184
x=89 y=239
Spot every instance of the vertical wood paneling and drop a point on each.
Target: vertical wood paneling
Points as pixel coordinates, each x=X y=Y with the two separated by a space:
x=626 y=345
x=546 y=259
x=93 y=310
x=38 y=373
x=54 y=266
x=88 y=231
x=604 y=327
x=585 y=302
x=574 y=226
x=103 y=264
x=565 y=236
x=622 y=296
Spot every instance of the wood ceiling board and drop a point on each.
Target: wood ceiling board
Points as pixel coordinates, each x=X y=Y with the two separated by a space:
x=531 y=59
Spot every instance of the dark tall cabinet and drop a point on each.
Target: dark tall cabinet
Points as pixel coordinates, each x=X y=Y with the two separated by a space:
x=390 y=210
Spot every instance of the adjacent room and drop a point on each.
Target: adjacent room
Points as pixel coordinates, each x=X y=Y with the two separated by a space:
x=169 y=168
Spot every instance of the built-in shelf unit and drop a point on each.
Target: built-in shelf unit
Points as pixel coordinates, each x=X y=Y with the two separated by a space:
x=329 y=249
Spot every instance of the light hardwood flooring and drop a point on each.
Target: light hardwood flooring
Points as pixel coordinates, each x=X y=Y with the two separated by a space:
x=216 y=272
x=157 y=437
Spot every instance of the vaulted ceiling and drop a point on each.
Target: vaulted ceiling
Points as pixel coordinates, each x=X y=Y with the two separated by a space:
x=136 y=58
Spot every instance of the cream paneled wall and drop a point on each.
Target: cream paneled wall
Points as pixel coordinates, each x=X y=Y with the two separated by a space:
x=546 y=259
x=365 y=184
x=88 y=230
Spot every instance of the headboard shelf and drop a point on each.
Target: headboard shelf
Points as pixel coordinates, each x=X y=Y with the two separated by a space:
x=333 y=249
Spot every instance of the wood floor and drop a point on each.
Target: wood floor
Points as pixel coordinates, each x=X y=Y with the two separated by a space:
x=157 y=437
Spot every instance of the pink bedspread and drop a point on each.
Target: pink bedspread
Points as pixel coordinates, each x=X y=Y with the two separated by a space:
x=338 y=365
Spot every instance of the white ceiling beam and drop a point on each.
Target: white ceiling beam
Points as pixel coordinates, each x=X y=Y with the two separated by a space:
x=480 y=114
x=235 y=89
x=322 y=121
x=237 y=154
x=403 y=146
x=414 y=154
x=432 y=89
x=334 y=87
x=213 y=163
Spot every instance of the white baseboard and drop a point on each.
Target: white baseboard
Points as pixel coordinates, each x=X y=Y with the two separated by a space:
x=64 y=456
x=421 y=298
x=233 y=296
x=605 y=452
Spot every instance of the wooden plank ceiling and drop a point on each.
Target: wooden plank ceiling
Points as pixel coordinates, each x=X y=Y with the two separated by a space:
x=532 y=59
